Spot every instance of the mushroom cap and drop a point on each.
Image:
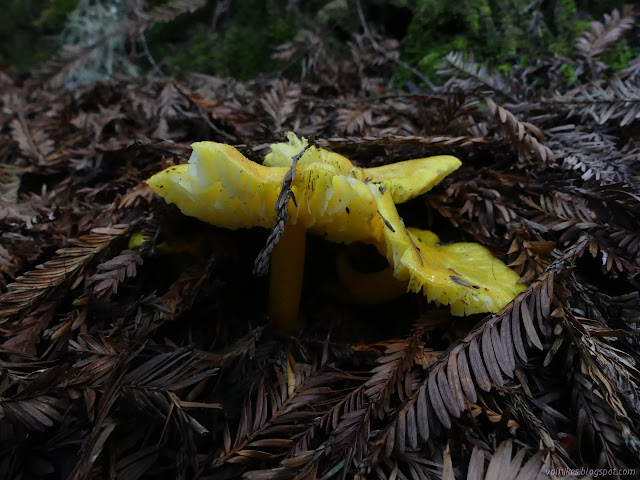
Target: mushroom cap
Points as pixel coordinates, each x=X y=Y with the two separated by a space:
x=221 y=186
x=465 y=276
x=405 y=180
x=346 y=204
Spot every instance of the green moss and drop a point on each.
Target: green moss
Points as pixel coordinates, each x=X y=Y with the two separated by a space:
x=56 y=13
x=28 y=29
x=496 y=31
x=565 y=16
x=429 y=62
x=240 y=47
x=490 y=27
x=195 y=55
x=597 y=8
x=618 y=59
x=569 y=72
x=244 y=38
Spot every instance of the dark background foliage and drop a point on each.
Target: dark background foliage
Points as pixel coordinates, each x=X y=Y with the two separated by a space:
x=238 y=37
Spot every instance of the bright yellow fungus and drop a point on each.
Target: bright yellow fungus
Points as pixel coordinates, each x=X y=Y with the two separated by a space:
x=343 y=203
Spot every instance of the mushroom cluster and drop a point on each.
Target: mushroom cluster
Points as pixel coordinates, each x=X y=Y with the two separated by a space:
x=344 y=203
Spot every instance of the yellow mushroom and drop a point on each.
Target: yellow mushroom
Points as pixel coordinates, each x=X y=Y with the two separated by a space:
x=366 y=287
x=343 y=203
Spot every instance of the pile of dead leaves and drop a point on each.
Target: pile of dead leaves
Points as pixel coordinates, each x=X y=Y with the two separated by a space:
x=158 y=361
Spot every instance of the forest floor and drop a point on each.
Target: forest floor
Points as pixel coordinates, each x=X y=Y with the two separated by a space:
x=122 y=359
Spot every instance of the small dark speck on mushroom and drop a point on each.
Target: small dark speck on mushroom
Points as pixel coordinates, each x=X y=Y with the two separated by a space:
x=347 y=209
x=460 y=281
x=386 y=222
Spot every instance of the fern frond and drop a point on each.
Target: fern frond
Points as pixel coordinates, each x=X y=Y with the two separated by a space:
x=22 y=338
x=456 y=61
x=38 y=405
x=30 y=289
x=616 y=102
x=436 y=141
x=606 y=391
x=281 y=419
x=605 y=34
x=481 y=361
x=115 y=271
x=573 y=216
x=34 y=143
x=397 y=361
x=280 y=102
x=501 y=464
x=632 y=72
x=36 y=414
x=523 y=135
x=406 y=466
x=525 y=255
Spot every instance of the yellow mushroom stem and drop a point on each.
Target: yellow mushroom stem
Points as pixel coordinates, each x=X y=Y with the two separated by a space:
x=285 y=278
x=367 y=288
